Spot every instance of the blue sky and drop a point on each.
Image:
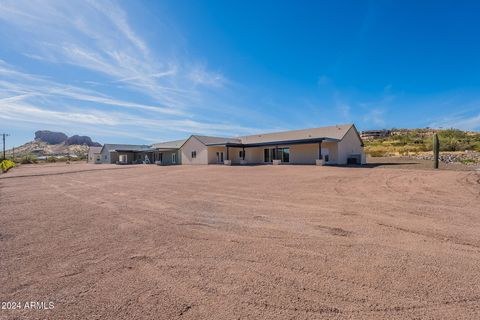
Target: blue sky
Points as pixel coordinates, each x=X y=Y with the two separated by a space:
x=143 y=72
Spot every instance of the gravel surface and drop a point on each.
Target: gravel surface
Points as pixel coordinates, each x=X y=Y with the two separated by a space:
x=256 y=242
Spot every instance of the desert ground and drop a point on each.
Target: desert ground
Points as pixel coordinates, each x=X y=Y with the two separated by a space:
x=254 y=242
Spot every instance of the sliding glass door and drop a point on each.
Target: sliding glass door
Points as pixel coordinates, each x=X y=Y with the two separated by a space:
x=276 y=154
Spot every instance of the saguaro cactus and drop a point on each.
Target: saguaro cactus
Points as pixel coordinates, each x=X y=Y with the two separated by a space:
x=436 y=150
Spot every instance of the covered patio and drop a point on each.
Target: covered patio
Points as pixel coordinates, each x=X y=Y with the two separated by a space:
x=304 y=151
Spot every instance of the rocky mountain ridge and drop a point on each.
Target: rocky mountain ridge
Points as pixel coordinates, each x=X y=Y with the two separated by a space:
x=50 y=143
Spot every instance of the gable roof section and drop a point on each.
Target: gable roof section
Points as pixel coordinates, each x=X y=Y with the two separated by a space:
x=332 y=132
x=95 y=149
x=175 y=144
x=208 y=140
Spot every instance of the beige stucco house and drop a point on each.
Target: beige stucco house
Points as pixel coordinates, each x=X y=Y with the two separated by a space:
x=340 y=144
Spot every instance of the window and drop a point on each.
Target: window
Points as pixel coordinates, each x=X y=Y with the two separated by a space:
x=241 y=154
x=105 y=157
x=174 y=158
x=194 y=154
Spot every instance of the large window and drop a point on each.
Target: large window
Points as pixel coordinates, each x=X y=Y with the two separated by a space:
x=276 y=154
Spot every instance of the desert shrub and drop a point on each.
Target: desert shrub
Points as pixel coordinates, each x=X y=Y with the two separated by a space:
x=51 y=159
x=376 y=153
x=468 y=161
x=28 y=159
x=6 y=164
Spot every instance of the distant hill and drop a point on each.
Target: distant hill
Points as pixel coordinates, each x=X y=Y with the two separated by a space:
x=412 y=141
x=49 y=143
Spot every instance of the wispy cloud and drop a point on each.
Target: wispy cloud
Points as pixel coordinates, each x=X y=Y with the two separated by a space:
x=126 y=84
x=463 y=122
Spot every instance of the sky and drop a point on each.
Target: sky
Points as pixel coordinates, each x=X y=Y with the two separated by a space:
x=151 y=71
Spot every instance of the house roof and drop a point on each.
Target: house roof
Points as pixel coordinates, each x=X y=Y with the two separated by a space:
x=176 y=144
x=208 y=140
x=95 y=149
x=124 y=147
x=313 y=135
x=331 y=132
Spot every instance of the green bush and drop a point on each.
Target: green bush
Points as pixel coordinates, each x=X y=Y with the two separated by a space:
x=6 y=164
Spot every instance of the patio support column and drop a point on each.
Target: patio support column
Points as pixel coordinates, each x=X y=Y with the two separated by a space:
x=228 y=149
x=320 y=150
x=243 y=153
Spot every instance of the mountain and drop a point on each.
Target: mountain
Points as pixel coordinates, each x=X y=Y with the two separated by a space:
x=49 y=143
x=51 y=137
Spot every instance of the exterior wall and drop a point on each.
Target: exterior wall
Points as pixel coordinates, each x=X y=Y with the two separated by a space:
x=193 y=144
x=234 y=154
x=303 y=153
x=254 y=155
x=212 y=154
x=349 y=145
x=332 y=148
x=94 y=157
x=105 y=156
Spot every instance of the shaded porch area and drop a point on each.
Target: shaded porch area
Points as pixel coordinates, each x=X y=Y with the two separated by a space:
x=308 y=151
x=148 y=156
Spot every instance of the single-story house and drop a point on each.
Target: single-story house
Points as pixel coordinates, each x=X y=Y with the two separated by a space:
x=94 y=155
x=340 y=144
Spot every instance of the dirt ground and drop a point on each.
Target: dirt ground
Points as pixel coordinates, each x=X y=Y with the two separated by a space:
x=256 y=242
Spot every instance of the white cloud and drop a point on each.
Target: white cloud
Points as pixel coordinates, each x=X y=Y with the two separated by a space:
x=122 y=84
x=464 y=122
x=200 y=75
x=375 y=116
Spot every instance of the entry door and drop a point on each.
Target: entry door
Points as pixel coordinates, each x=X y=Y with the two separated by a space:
x=326 y=154
x=174 y=158
x=220 y=157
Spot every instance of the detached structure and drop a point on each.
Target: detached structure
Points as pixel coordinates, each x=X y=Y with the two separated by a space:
x=94 y=155
x=340 y=144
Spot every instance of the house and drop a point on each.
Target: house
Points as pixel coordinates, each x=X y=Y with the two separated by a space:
x=340 y=144
x=374 y=134
x=94 y=155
